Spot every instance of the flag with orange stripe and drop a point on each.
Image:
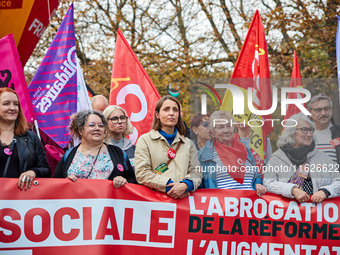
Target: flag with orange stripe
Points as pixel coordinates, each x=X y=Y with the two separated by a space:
x=26 y=20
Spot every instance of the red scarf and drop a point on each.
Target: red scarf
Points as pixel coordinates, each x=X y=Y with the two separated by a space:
x=233 y=156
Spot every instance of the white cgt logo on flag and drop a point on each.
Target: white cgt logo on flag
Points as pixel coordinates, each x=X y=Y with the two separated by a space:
x=135 y=117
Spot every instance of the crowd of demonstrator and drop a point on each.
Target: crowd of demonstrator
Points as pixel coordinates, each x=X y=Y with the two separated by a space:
x=166 y=160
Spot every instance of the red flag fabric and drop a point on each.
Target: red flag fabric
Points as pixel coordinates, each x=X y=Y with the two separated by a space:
x=27 y=21
x=252 y=71
x=233 y=156
x=132 y=88
x=253 y=63
x=295 y=82
x=12 y=74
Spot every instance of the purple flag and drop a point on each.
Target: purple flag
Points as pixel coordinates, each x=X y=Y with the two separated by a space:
x=53 y=89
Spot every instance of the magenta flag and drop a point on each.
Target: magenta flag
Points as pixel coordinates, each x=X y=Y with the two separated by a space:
x=12 y=74
x=53 y=88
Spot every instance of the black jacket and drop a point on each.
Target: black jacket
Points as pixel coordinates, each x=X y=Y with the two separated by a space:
x=117 y=156
x=335 y=130
x=32 y=155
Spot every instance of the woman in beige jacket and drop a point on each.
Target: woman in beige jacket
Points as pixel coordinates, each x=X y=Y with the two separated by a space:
x=165 y=160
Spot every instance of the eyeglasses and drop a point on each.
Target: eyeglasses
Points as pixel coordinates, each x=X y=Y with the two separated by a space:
x=319 y=110
x=92 y=125
x=205 y=124
x=304 y=130
x=115 y=119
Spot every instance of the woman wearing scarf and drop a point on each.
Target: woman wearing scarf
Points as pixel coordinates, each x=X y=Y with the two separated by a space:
x=165 y=160
x=299 y=170
x=226 y=163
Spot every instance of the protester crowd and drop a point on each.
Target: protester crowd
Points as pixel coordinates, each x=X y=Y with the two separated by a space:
x=165 y=159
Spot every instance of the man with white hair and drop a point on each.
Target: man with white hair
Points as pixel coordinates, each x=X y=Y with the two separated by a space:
x=99 y=103
x=327 y=131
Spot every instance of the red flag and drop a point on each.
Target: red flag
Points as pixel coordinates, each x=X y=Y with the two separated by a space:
x=12 y=74
x=132 y=88
x=27 y=21
x=295 y=82
x=252 y=71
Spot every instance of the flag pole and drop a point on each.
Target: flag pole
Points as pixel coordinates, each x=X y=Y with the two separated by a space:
x=337 y=46
x=37 y=129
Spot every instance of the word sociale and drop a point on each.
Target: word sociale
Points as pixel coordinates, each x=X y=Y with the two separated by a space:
x=102 y=221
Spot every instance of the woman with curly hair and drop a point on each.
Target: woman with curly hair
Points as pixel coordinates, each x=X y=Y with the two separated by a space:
x=92 y=158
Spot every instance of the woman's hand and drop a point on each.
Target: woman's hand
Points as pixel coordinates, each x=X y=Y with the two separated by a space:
x=300 y=195
x=72 y=177
x=26 y=178
x=119 y=181
x=318 y=197
x=178 y=190
x=260 y=189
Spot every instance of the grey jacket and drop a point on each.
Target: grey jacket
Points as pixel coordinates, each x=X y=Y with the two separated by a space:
x=276 y=179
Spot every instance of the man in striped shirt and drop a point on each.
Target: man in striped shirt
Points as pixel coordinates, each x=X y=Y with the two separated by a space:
x=327 y=131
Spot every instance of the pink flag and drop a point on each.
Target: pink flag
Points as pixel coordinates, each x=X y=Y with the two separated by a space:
x=12 y=74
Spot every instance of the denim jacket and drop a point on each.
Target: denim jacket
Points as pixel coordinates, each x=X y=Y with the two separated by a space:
x=209 y=180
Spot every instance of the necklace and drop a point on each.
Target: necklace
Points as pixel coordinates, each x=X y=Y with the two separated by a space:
x=94 y=163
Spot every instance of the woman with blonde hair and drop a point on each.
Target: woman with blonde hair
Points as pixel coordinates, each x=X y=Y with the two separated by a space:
x=119 y=127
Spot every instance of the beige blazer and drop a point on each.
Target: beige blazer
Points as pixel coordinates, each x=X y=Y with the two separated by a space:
x=152 y=151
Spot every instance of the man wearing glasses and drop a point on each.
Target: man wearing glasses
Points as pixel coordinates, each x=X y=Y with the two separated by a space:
x=327 y=131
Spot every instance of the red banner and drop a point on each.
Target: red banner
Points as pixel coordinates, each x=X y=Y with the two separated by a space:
x=57 y=216
x=132 y=88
